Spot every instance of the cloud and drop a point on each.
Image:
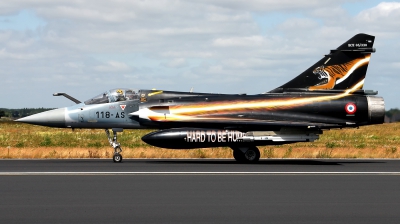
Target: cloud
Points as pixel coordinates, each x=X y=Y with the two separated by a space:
x=176 y=63
x=384 y=10
x=239 y=41
x=270 y=5
x=90 y=46
x=298 y=24
x=383 y=18
x=112 y=66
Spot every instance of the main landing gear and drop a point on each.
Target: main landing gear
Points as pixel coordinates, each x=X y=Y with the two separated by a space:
x=117 y=157
x=246 y=154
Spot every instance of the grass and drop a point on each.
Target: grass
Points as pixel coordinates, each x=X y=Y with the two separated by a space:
x=29 y=141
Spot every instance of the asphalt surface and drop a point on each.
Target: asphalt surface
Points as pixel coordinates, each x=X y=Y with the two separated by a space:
x=200 y=191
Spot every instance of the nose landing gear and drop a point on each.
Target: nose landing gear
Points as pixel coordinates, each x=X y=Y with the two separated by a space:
x=117 y=157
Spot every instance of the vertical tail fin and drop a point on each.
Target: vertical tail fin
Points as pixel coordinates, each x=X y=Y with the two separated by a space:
x=343 y=68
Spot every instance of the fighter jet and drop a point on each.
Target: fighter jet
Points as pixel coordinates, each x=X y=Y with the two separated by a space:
x=327 y=95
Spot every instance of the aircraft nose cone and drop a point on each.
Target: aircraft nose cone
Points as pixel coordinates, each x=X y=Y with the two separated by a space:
x=51 y=118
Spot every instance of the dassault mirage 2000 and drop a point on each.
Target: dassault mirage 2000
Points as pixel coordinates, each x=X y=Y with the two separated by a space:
x=327 y=95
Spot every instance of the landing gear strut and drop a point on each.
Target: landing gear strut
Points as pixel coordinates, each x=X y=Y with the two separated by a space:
x=246 y=154
x=117 y=157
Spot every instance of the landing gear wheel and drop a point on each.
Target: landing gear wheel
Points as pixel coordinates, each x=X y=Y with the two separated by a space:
x=252 y=155
x=117 y=158
x=238 y=155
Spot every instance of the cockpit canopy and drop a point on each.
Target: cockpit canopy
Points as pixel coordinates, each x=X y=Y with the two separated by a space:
x=114 y=95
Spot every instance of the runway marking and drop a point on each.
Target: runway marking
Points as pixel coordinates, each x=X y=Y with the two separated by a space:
x=189 y=173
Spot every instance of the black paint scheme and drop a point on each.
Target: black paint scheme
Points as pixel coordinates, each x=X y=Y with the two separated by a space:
x=327 y=95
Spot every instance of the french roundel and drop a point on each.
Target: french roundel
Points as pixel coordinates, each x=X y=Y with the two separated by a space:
x=350 y=108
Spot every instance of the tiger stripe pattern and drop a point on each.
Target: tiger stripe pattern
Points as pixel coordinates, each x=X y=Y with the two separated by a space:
x=332 y=73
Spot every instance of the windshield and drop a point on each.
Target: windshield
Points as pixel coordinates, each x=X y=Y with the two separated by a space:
x=114 y=95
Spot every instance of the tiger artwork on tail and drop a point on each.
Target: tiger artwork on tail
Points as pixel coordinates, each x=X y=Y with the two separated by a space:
x=332 y=73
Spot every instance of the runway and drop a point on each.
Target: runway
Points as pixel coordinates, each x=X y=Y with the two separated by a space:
x=199 y=191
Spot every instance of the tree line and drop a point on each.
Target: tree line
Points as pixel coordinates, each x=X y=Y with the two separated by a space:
x=392 y=115
x=18 y=113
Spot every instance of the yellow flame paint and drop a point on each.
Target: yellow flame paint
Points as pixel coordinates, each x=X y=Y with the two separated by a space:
x=189 y=112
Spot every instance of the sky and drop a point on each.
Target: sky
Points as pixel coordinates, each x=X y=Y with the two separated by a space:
x=220 y=46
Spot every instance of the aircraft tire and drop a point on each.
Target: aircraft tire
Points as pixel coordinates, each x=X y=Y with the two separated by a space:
x=238 y=155
x=252 y=155
x=117 y=158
